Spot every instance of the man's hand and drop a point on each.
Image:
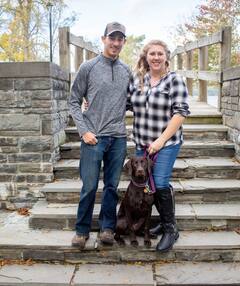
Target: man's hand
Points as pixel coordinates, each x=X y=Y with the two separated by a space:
x=89 y=138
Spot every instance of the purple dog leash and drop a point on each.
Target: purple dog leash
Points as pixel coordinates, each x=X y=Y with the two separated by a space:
x=150 y=186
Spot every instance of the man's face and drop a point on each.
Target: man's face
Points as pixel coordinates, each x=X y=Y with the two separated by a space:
x=113 y=44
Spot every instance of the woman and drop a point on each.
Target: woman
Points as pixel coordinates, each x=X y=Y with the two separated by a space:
x=158 y=98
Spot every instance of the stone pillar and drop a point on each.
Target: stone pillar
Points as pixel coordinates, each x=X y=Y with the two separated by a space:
x=33 y=116
x=230 y=105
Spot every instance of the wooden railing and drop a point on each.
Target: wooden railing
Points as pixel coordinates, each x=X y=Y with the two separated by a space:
x=83 y=50
x=223 y=37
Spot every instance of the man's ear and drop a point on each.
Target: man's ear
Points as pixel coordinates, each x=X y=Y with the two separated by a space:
x=128 y=167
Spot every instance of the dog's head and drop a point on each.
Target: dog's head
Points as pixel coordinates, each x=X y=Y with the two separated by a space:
x=138 y=167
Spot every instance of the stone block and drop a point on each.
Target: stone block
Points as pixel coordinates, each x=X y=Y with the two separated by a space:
x=8 y=141
x=42 y=104
x=234 y=100
x=43 y=223
x=234 y=87
x=5 y=191
x=61 y=95
x=7 y=99
x=19 y=122
x=6 y=253
x=6 y=84
x=234 y=107
x=236 y=120
x=24 y=157
x=202 y=273
x=140 y=275
x=3 y=158
x=33 y=84
x=198 y=255
x=35 y=168
x=43 y=255
x=44 y=178
x=6 y=177
x=93 y=256
x=47 y=127
x=35 y=144
x=36 y=274
x=60 y=85
x=9 y=149
x=47 y=157
x=41 y=94
x=20 y=178
x=8 y=168
x=23 y=99
x=226 y=88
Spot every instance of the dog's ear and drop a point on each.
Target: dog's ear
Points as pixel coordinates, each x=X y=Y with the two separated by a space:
x=149 y=164
x=128 y=167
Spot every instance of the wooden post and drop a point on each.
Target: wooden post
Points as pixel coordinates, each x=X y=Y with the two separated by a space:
x=92 y=55
x=64 y=48
x=78 y=57
x=203 y=65
x=87 y=55
x=179 y=62
x=225 y=52
x=172 y=64
x=189 y=67
x=225 y=56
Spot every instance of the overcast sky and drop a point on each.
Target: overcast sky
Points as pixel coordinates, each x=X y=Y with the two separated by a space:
x=154 y=18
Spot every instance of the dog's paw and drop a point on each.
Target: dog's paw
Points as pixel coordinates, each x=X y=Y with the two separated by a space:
x=121 y=242
x=134 y=243
x=147 y=243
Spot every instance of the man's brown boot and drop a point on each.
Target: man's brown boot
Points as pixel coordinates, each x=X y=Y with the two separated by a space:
x=107 y=236
x=79 y=240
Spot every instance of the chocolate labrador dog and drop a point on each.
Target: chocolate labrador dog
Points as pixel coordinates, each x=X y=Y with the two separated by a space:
x=134 y=214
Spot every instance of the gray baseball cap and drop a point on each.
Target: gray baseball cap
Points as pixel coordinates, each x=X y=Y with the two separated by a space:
x=114 y=27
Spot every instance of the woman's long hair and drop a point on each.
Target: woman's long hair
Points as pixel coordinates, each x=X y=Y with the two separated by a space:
x=142 y=66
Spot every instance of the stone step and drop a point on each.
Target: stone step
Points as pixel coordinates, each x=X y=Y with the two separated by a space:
x=212 y=167
x=142 y=274
x=189 y=216
x=205 y=132
x=191 y=119
x=195 y=118
x=186 y=191
x=18 y=241
x=190 y=149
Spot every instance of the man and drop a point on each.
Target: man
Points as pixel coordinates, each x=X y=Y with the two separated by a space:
x=103 y=82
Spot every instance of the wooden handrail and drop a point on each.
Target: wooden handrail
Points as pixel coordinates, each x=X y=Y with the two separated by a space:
x=222 y=37
x=83 y=50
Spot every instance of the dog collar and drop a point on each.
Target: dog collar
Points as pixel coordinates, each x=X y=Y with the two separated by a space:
x=142 y=185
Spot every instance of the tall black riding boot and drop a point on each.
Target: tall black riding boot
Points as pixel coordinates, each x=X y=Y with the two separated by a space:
x=170 y=233
x=158 y=229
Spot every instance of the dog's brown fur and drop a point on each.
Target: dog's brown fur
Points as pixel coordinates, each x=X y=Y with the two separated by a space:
x=135 y=209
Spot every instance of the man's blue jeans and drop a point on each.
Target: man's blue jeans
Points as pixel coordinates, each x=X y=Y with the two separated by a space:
x=162 y=169
x=111 y=151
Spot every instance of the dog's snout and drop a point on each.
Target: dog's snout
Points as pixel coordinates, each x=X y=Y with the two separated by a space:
x=140 y=172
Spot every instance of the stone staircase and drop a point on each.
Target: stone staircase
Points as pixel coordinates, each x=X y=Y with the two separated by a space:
x=206 y=180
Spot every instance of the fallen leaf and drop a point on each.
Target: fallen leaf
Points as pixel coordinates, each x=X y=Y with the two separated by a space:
x=23 y=211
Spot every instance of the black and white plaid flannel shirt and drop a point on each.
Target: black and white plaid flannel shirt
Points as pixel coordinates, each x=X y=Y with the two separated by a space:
x=155 y=106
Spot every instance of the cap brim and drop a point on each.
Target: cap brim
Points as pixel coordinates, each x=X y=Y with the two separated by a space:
x=116 y=31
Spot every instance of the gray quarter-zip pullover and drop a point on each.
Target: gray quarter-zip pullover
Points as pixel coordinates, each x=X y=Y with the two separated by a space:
x=104 y=83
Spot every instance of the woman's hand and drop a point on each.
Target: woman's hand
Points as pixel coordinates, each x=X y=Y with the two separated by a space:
x=155 y=146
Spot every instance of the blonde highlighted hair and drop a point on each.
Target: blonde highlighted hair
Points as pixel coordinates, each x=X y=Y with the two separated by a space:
x=142 y=66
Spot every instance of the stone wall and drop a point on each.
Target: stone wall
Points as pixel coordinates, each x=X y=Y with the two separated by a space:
x=33 y=115
x=230 y=105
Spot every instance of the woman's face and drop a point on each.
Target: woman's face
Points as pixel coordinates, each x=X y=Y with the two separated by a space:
x=156 y=58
